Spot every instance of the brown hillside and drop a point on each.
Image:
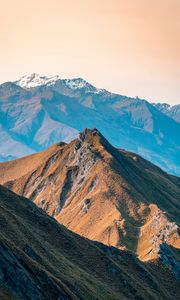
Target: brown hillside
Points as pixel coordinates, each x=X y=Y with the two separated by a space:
x=41 y=260
x=108 y=195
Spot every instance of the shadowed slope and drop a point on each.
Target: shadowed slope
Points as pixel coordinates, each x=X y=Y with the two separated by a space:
x=41 y=259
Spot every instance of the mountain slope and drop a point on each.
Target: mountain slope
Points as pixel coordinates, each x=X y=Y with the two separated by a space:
x=40 y=259
x=39 y=111
x=171 y=111
x=109 y=195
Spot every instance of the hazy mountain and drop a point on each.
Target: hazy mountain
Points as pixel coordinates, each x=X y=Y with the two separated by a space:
x=171 y=111
x=37 y=111
x=105 y=194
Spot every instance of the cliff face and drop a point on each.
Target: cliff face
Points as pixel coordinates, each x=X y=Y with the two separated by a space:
x=102 y=193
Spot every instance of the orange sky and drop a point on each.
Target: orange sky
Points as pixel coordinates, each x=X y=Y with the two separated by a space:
x=127 y=46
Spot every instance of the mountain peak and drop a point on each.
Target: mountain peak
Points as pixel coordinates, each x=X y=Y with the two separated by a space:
x=162 y=106
x=77 y=83
x=35 y=80
x=89 y=132
x=95 y=138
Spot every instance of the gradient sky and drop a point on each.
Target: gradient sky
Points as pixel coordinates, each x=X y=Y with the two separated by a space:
x=127 y=46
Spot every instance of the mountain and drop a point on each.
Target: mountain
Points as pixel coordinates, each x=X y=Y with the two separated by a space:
x=171 y=111
x=40 y=259
x=38 y=111
x=105 y=194
x=34 y=80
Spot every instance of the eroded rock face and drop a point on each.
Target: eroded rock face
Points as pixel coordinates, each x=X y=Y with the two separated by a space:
x=79 y=163
x=156 y=232
x=164 y=228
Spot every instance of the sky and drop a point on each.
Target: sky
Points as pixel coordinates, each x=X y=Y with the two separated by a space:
x=131 y=47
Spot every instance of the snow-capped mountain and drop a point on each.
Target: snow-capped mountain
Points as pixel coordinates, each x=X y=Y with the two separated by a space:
x=35 y=80
x=37 y=111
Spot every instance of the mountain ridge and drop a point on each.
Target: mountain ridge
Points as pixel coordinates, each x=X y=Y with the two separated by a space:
x=171 y=111
x=106 y=194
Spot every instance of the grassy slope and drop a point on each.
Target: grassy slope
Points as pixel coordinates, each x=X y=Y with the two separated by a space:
x=44 y=260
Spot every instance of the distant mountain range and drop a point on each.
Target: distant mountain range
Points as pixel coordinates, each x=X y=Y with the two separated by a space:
x=37 y=111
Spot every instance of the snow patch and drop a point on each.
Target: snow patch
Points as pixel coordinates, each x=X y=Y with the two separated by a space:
x=33 y=80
